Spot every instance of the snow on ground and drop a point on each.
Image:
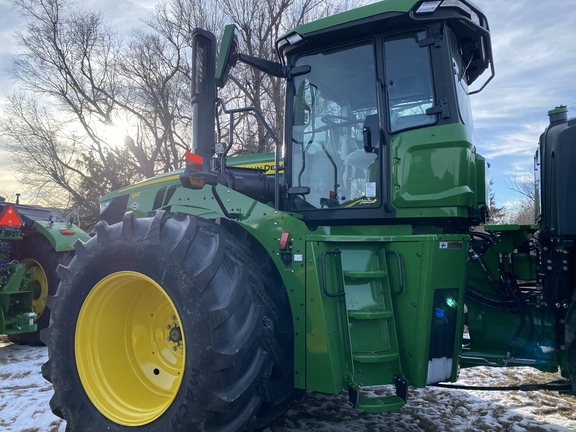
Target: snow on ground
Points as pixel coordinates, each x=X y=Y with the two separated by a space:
x=25 y=395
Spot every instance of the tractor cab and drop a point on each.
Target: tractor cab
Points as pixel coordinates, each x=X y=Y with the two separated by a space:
x=378 y=125
x=378 y=118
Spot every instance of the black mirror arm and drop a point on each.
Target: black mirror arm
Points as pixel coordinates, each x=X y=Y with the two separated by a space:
x=267 y=66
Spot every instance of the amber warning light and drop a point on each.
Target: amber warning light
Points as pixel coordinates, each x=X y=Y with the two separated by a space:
x=9 y=217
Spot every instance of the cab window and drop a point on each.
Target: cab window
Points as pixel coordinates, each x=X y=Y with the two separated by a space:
x=409 y=83
x=335 y=111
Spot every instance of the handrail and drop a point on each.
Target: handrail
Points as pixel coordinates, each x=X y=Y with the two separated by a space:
x=400 y=271
x=324 y=285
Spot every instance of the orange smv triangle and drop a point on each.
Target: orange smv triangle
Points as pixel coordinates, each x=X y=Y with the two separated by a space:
x=9 y=217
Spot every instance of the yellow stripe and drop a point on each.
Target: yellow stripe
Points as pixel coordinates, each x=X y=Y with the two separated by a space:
x=150 y=182
x=261 y=165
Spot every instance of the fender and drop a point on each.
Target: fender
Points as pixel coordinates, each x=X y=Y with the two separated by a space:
x=61 y=235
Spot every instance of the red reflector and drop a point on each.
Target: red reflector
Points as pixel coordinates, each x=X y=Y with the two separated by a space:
x=66 y=232
x=284 y=240
x=194 y=161
x=9 y=217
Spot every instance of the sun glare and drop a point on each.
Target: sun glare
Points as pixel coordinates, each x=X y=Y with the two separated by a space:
x=114 y=134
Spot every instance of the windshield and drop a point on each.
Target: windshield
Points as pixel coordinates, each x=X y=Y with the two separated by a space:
x=335 y=131
x=409 y=82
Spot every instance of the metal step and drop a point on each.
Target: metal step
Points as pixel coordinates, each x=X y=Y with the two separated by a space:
x=375 y=357
x=380 y=403
x=358 y=273
x=370 y=314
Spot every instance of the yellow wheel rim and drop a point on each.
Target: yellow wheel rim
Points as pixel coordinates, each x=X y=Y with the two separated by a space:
x=37 y=273
x=129 y=348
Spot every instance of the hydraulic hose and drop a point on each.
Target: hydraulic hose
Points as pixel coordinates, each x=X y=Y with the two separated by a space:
x=520 y=305
x=527 y=309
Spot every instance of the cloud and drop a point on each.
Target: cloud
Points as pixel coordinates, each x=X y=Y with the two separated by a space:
x=535 y=67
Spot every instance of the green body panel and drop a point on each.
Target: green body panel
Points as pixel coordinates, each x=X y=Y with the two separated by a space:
x=163 y=179
x=61 y=242
x=16 y=313
x=386 y=6
x=368 y=261
x=263 y=161
x=482 y=182
x=348 y=17
x=434 y=172
x=355 y=14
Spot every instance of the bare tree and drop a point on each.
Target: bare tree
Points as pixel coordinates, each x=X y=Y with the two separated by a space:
x=67 y=74
x=524 y=211
x=156 y=95
x=47 y=151
x=85 y=78
x=261 y=23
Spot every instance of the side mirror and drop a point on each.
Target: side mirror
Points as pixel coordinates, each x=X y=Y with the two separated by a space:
x=229 y=49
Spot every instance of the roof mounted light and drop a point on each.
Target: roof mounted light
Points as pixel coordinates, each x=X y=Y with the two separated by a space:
x=428 y=6
x=455 y=3
x=294 y=38
x=431 y=6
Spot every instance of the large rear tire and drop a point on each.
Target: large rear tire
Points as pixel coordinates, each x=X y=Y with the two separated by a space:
x=164 y=324
x=41 y=261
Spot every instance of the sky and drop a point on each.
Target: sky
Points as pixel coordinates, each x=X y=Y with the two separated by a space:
x=535 y=65
x=535 y=62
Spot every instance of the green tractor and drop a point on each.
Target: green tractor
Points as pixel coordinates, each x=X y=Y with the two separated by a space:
x=211 y=297
x=33 y=242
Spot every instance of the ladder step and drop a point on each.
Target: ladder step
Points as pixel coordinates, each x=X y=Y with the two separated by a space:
x=364 y=275
x=370 y=314
x=375 y=357
x=381 y=403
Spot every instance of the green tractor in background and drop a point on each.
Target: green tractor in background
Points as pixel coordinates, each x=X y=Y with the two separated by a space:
x=33 y=242
x=211 y=297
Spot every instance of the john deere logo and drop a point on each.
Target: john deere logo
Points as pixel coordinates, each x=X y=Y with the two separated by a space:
x=196 y=183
